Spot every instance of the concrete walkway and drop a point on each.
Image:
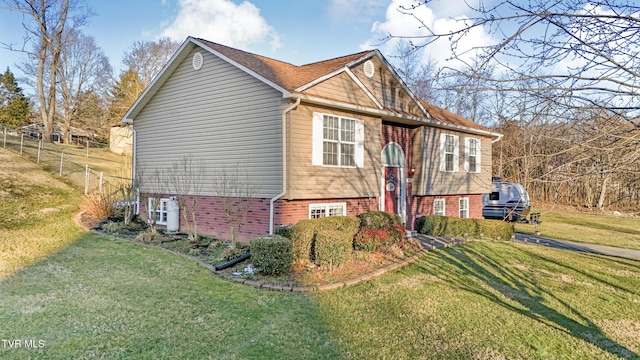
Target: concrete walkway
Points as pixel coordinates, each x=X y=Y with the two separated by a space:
x=581 y=247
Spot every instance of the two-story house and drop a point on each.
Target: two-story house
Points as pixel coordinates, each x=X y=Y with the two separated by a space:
x=335 y=137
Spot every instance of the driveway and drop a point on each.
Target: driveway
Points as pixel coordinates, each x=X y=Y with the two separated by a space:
x=581 y=247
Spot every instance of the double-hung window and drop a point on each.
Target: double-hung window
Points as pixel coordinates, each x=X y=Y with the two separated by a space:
x=438 y=207
x=449 y=153
x=337 y=141
x=327 y=209
x=463 y=207
x=472 y=155
x=158 y=210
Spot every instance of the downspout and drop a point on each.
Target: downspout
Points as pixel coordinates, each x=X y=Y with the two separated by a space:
x=284 y=162
x=133 y=167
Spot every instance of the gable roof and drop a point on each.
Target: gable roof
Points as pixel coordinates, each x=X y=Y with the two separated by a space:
x=285 y=75
x=288 y=78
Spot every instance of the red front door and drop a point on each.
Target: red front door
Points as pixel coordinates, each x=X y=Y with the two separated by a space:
x=391 y=189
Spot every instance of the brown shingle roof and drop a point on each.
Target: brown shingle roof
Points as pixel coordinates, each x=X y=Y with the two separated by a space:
x=291 y=77
x=445 y=116
x=283 y=74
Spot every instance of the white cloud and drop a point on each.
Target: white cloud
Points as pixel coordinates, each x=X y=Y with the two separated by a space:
x=221 y=21
x=442 y=17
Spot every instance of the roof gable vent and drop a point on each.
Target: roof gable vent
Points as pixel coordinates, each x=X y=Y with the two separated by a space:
x=369 y=69
x=197 y=61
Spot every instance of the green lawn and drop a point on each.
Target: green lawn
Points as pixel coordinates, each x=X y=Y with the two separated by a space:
x=81 y=295
x=595 y=229
x=493 y=301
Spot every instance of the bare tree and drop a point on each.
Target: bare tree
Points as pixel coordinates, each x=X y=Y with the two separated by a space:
x=188 y=179
x=147 y=58
x=83 y=67
x=585 y=50
x=45 y=29
x=235 y=189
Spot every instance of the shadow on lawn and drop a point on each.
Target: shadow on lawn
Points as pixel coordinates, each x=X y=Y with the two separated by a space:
x=522 y=288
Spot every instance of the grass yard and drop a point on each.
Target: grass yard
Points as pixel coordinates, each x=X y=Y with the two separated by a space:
x=75 y=294
x=609 y=230
x=488 y=300
x=101 y=298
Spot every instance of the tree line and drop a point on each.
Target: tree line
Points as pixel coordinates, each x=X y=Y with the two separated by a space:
x=560 y=82
x=74 y=81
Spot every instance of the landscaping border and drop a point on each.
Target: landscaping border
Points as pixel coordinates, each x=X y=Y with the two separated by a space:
x=428 y=243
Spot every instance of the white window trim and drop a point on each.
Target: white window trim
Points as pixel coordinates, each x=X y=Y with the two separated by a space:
x=164 y=204
x=326 y=207
x=444 y=207
x=461 y=208
x=456 y=152
x=467 y=147
x=317 y=141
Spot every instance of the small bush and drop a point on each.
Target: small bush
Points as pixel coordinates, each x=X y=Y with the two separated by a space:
x=232 y=253
x=495 y=230
x=375 y=239
x=112 y=227
x=302 y=235
x=283 y=230
x=378 y=219
x=272 y=255
x=332 y=248
x=474 y=228
x=147 y=236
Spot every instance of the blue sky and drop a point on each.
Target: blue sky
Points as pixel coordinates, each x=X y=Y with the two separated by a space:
x=296 y=31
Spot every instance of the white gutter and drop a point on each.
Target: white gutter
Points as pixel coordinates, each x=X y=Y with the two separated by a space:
x=383 y=113
x=284 y=162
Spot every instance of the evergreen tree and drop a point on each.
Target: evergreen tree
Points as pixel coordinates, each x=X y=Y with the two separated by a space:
x=14 y=106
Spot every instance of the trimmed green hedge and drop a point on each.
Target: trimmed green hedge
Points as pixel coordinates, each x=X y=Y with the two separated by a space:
x=436 y=225
x=378 y=219
x=271 y=255
x=323 y=240
x=332 y=248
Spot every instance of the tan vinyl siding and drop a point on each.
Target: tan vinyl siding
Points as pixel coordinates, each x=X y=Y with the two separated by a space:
x=306 y=181
x=220 y=115
x=342 y=88
x=429 y=180
x=386 y=87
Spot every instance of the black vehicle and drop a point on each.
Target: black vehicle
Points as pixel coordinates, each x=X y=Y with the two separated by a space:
x=507 y=201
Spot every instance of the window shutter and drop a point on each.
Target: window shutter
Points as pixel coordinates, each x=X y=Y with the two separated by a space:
x=478 y=155
x=359 y=148
x=318 y=124
x=443 y=160
x=467 y=145
x=456 y=153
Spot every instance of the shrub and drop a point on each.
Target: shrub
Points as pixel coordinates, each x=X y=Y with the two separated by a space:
x=332 y=248
x=271 y=255
x=475 y=228
x=378 y=219
x=368 y=239
x=147 y=236
x=304 y=233
x=112 y=227
x=233 y=253
x=283 y=230
x=494 y=229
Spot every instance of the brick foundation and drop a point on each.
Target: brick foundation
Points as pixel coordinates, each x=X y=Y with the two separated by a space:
x=289 y=212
